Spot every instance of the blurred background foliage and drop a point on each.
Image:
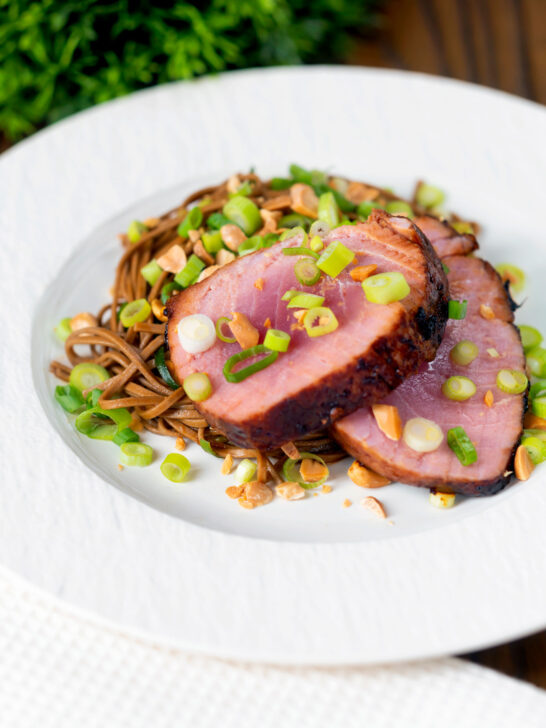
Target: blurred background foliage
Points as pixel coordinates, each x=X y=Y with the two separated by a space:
x=61 y=56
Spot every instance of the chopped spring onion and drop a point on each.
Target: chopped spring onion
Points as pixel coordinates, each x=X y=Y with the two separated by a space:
x=87 y=375
x=493 y=353
x=460 y=443
x=245 y=471
x=464 y=352
x=301 y=251
x=291 y=471
x=219 y=324
x=535 y=432
x=328 y=210
x=135 y=311
x=207 y=447
x=530 y=337
x=100 y=424
x=365 y=208
x=306 y=300
x=244 y=213
x=212 y=241
x=422 y=435
x=125 y=435
x=327 y=322
x=197 y=386
x=135 y=231
x=335 y=258
x=163 y=369
x=307 y=271
x=190 y=272
x=399 y=207
x=175 y=467
x=438 y=499
x=512 y=381
x=196 y=333
x=294 y=221
x=457 y=309
x=385 y=288
x=316 y=243
x=289 y=295
x=92 y=398
x=277 y=340
x=536 y=449
x=309 y=177
x=514 y=275
x=135 y=454
x=193 y=219
x=270 y=239
x=281 y=183
x=538 y=389
x=294 y=233
x=167 y=290
x=245 y=188
x=216 y=220
x=320 y=228
x=463 y=227
x=250 y=245
x=151 y=272
x=429 y=196
x=538 y=406
x=256 y=366
x=69 y=398
x=459 y=388
x=446 y=269
x=536 y=361
x=63 y=329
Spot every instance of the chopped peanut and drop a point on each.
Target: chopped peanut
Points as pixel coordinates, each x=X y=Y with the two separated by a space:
x=158 y=309
x=299 y=315
x=120 y=467
x=255 y=494
x=357 y=192
x=82 y=321
x=347 y=503
x=311 y=471
x=180 y=443
x=493 y=353
x=232 y=235
x=291 y=451
x=374 y=506
x=366 y=478
x=194 y=235
x=270 y=220
x=267 y=323
x=235 y=491
x=290 y=491
x=304 y=200
x=173 y=260
x=206 y=272
x=486 y=312
x=201 y=252
x=488 y=398
x=259 y=284
x=388 y=420
x=523 y=465
x=151 y=222
x=361 y=272
x=532 y=422
x=233 y=184
x=326 y=489
x=279 y=202
x=246 y=334
x=441 y=500
x=224 y=256
x=227 y=464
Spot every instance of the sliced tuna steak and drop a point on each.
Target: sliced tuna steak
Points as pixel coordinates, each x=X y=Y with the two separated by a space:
x=322 y=378
x=495 y=430
x=444 y=239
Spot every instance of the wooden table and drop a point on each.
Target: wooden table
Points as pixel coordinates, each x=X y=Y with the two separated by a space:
x=498 y=43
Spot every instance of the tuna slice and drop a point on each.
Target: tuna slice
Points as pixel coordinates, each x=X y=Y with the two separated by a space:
x=444 y=239
x=495 y=430
x=322 y=378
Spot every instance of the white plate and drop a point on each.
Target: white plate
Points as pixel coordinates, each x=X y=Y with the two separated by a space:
x=293 y=582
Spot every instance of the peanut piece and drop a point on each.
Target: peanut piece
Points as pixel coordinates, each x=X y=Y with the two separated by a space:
x=374 y=506
x=388 y=420
x=173 y=260
x=366 y=478
x=246 y=334
x=83 y=321
x=304 y=200
x=290 y=491
x=361 y=272
x=523 y=465
x=232 y=235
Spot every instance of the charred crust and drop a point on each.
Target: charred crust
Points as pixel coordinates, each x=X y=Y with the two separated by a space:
x=513 y=305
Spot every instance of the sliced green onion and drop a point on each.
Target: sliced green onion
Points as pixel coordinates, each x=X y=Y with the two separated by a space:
x=306 y=300
x=212 y=242
x=92 y=398
x=446 y=269
x=280 y=183
x=316 y=243
x=289 y=295
x=245 y=471
x=294 y=233
x=227 y=339
x=399 y=207
x=335 y=258
x=307 y=272
x=134 y=312
x=277 y=340
x=190 y=272
x=245 y=189
x=309 y=177
x=462 y=227
x=464 y=352
x=63 y=329
x=167 y=290
x=270 y=239
x=291 y=472
x=294 y=221
x=530 y=337
x=538 y=406
x=125 y=435
x=536 y=449
x=457 y=309
x=69 y=398
x=429 y=196
x=514 y=275
x=536 y=361
x=197 y=386
x=538 y=389
x=459 y=388
x=151 y=272
x=163 y=369
x=319 y=228
x=87 y=375
x=460 y=443
x=327 y=321
x=193 y=219
x=422 y=435
x=175 y=467
x=328 y=210
x=365 y=208
x=135 y=231
x=100 y=424
x=244 y=213
x=256 y=366
x=135 y=454
x=301 y=251
x=207 y=447
x=216 y=220
x=385 y=288
x=535 y=432
x=250 y=245
x=512 y=381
